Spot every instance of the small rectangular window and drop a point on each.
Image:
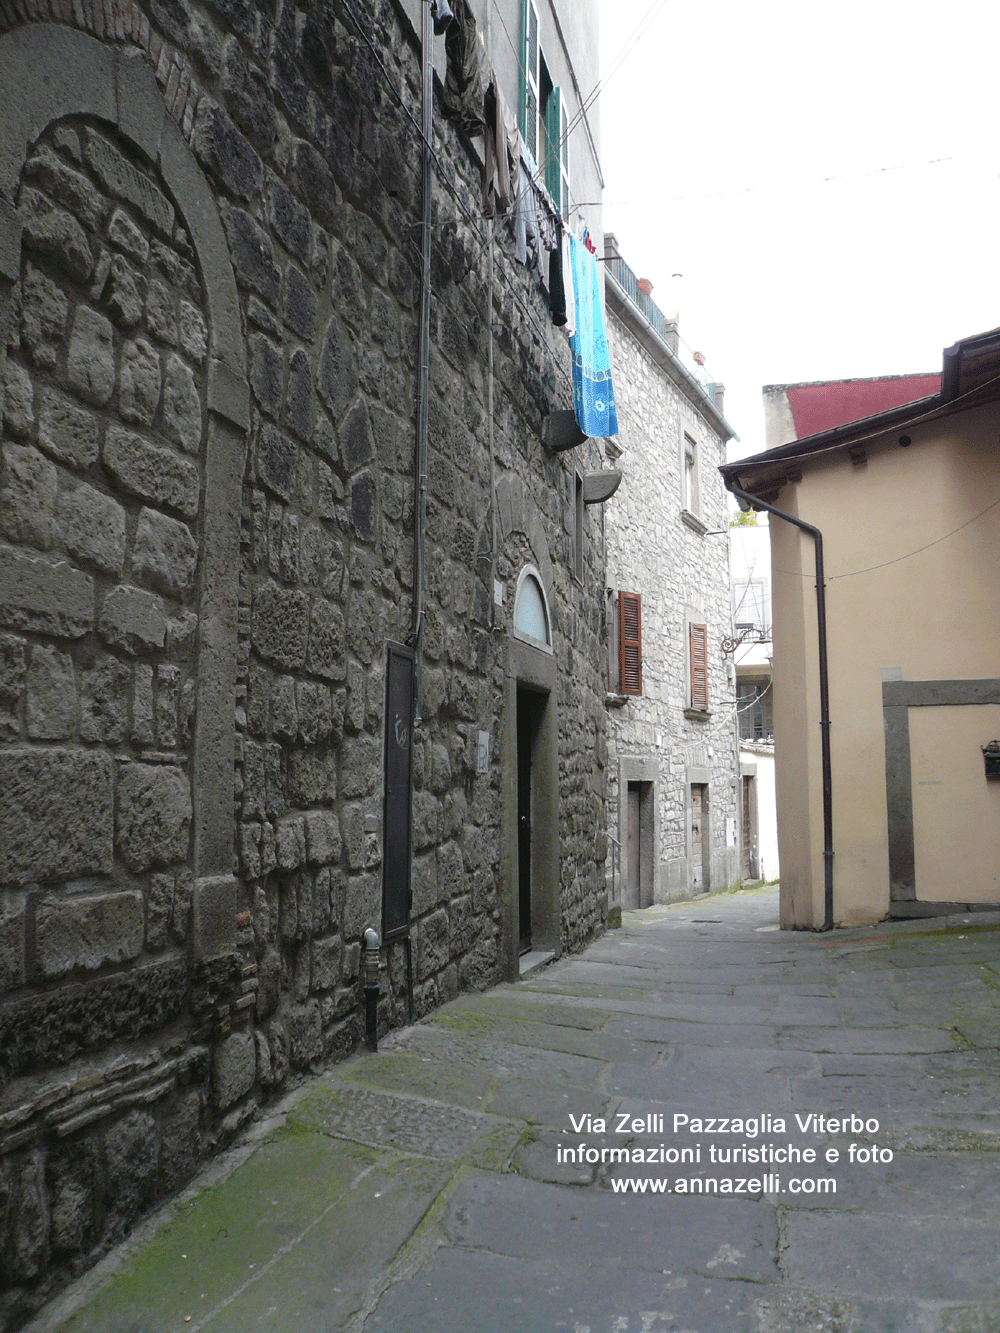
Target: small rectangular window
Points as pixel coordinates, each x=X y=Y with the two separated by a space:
x=630 y=642
x=699 y=667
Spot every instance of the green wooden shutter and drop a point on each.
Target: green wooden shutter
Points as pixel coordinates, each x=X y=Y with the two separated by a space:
x=630 y=642
x=563 y=158
x=529 y=77
x=553 y=121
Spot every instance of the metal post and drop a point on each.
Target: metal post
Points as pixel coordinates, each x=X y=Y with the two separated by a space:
x=371 y=971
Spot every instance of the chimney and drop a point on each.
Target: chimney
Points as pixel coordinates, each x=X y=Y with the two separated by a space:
x=719 y=393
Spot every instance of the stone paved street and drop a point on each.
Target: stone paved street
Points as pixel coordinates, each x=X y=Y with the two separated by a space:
x=419 y=1191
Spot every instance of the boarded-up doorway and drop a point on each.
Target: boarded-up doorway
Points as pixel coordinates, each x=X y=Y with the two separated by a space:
x=700 y=840
x=638 y=887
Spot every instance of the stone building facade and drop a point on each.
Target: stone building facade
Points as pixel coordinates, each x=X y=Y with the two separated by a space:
x=673 y=761
x=209 y=290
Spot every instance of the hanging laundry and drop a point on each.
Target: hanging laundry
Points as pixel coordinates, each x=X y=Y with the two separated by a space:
x=568 y=283
x=527 y=236
x=462 y=98
x=557 y=289
x=502 y=153
x=441 y=15
x=593 y=392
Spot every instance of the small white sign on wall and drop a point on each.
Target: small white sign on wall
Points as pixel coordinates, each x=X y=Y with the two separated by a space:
x=483 y=752
x=730 y=831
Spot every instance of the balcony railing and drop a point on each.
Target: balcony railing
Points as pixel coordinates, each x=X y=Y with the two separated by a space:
x=666 y=328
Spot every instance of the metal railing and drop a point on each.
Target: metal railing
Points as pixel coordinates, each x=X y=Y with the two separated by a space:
x=666 y=328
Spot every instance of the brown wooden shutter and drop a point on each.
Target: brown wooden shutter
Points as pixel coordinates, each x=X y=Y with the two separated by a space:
x=699 y=667
x=630 y=642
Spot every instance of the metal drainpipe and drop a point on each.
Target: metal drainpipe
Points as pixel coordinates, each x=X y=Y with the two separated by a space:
x=423 y=354
x=824 y=688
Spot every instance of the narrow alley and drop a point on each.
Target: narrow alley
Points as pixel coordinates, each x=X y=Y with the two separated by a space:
x=420 y=1190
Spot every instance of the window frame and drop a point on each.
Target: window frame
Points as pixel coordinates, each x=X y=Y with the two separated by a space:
x=629 y=646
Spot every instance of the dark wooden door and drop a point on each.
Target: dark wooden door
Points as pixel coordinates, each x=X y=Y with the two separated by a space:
x=525 y=739
x=630 y=897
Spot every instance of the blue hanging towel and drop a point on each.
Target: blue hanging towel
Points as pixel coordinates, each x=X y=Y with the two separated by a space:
x=593 y=392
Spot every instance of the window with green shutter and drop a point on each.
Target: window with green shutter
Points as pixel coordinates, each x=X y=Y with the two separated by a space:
x=529 y=79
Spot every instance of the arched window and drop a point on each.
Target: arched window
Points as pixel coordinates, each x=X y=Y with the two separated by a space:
x=531 y=611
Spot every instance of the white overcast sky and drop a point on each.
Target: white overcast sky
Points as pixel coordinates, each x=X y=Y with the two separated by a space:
x=718 y=131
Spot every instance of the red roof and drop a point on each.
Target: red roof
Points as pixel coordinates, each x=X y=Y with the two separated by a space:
x=819 y=407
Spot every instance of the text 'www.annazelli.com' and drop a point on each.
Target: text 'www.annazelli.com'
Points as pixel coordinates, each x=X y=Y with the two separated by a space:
x=766 y=1184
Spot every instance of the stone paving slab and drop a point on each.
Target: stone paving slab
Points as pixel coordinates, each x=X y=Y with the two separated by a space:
x=535 y=1296
x=420 y=1190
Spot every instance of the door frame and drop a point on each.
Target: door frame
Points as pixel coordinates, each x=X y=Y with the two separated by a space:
x=531 y=668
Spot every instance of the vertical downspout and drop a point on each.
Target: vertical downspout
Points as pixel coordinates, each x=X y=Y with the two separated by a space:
x=423 y=354
x=824 y=689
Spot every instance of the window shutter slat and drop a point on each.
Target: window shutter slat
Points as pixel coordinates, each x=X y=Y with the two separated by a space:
x=630 y=642
x=699 y=667
x=552 y=155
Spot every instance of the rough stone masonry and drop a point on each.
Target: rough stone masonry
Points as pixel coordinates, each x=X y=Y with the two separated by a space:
x=208 y=292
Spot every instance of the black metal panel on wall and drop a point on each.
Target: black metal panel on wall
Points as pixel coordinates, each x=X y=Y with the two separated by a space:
x=398 y=786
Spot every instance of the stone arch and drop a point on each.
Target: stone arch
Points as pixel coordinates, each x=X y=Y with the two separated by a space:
x=49 y=72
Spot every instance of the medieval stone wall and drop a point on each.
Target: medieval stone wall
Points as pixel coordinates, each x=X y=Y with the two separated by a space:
x=206 y=539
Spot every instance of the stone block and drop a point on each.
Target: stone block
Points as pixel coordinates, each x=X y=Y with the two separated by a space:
x=90 y=361
x=192 y=332
x=322 y=837
x=276 y=454
x=88 y=933
x=314 y=711
x=18 y=416
x=67 y=187
x=182 y=418
x=362 y=905
x=67 y=431
x=305 y=1034
x=357 y=444
x=57 y=814
x=12 y=946
x=93 y=527
x=28 y=1244
x=284 y=715
x=131 y=1149
x=52 y=232
x=433 y=942
x=312 y=778
x=152 y=473
x=225 y=153
x=159 y=908
x=300 y=401
x=43 y=317
x=161 y=313
x=50 y=599
x=28 y=497
x=125 y=293
x=326 y=963
x=165 y=554
x=424 y=884
x=337 y=380
x=266 y=374
x=426 y=820
x=132 y=619
x=50 y=695
x=154 y=815
x=234 y=1068
x=104 y=694
x=300 y=305
x=142 y=705
x=252 y=255
x=126 y=236
x=280 y=625
x=326 y=654
x=121 y=179
x=291 y=843
x=360 y=766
